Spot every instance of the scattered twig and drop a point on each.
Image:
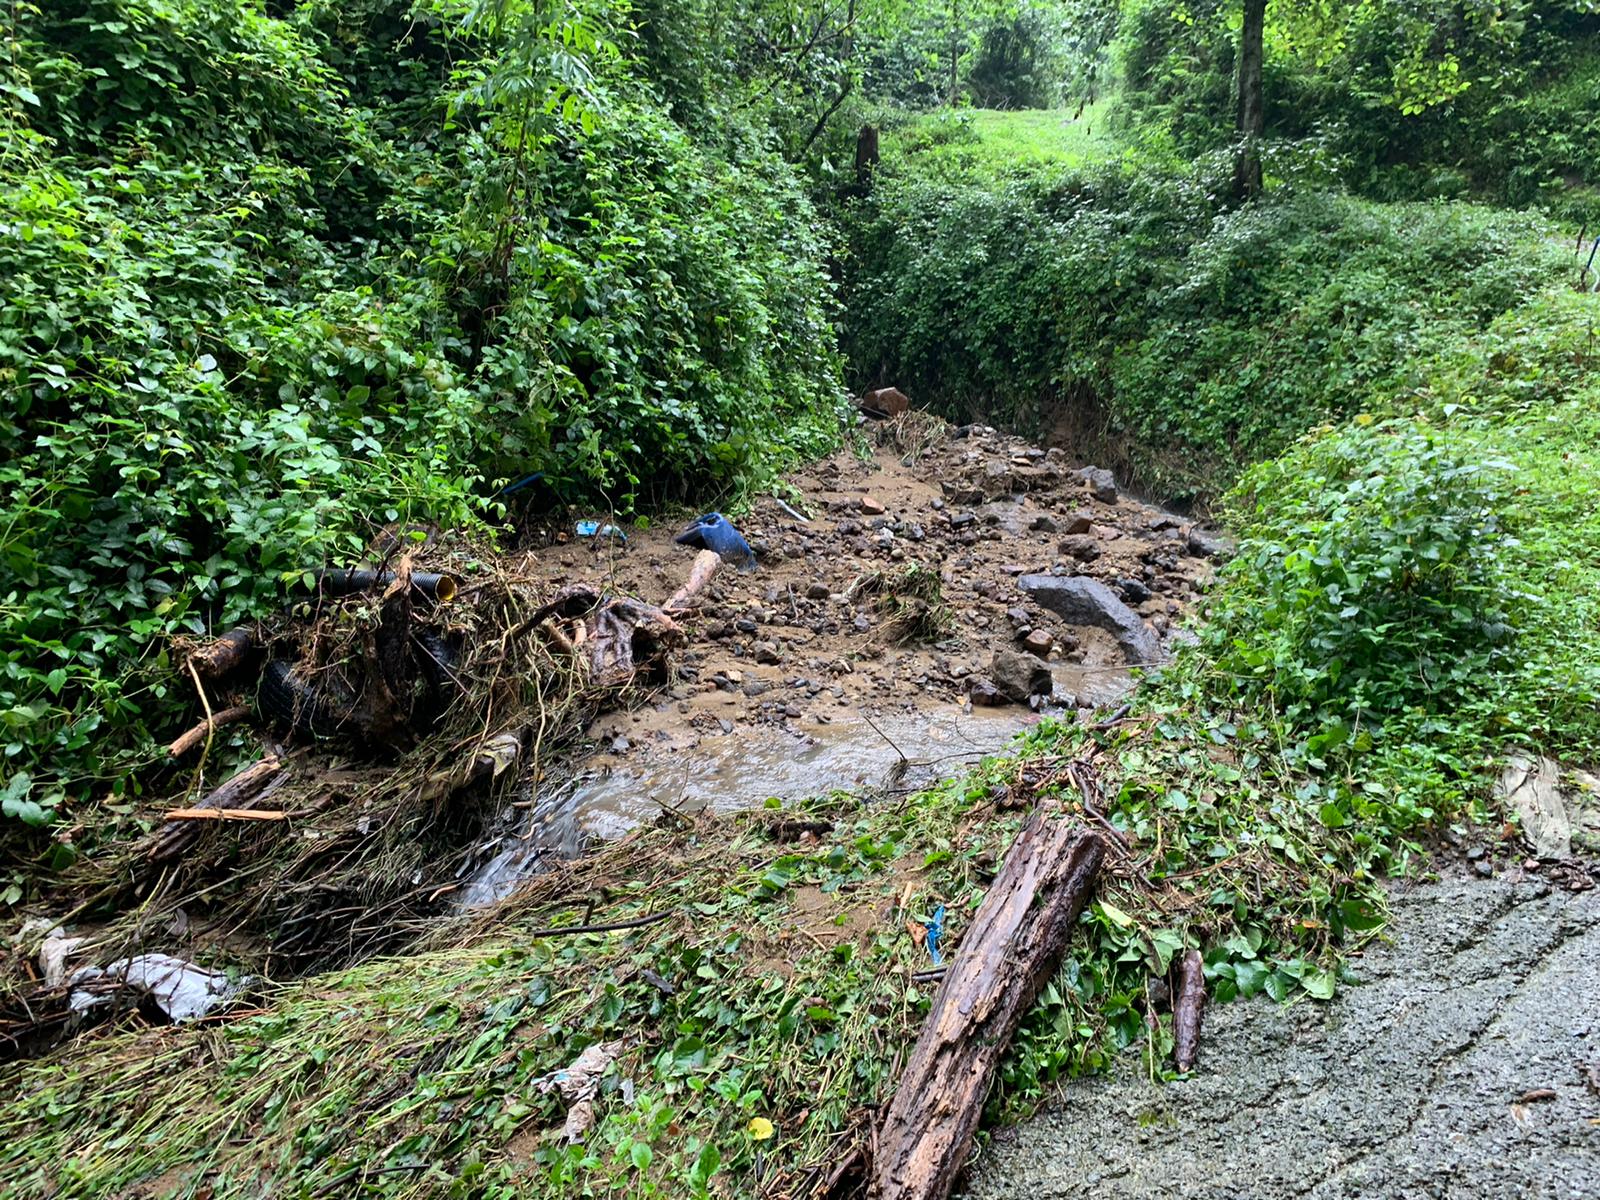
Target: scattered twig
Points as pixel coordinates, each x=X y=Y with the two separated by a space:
x=225 y=814
x=602 y=927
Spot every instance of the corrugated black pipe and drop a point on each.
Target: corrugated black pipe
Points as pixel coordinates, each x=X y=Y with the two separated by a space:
x=363 y=579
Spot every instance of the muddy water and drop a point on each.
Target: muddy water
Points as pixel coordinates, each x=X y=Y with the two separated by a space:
x=727 y=772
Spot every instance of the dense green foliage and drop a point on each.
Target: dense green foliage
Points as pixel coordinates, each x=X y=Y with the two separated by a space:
x=1144 y=324
x=275 y=281
x=1406 y=98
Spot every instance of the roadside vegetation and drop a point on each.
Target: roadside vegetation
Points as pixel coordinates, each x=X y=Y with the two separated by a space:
x=220 y=369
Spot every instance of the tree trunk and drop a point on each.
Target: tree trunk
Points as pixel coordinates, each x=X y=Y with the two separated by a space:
x=955 y=49
x=1251 y=119
x=1012 y=949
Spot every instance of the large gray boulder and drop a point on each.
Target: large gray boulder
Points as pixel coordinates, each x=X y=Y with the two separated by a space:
x=1079 y=600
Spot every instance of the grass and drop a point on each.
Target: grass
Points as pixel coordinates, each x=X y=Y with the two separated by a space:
x=991 y=142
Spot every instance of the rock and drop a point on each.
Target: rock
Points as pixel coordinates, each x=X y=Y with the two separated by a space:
x=1019 y=676
x=1102 y=483
x=1079 y=600
x=885 y=402
x=745 y=625
x=1532 y=788
x=962 y=520
x=1038 y=643
x=849 y=528
x=1018 y=616
x=1207 y=545
x=767 y=652
x=1045 y=523
x=872 y=506
x=1084 y=549
x=757 y=687
x=818 y=591
x=983 y=691
x=1133 y=591
x=1078 y=523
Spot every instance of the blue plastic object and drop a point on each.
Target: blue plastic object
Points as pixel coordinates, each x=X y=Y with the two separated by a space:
x=935 y=932
x=714 y=532
x=595 y=529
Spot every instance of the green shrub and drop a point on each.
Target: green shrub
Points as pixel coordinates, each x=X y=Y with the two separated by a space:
x=1135 y=319
x=274 y=281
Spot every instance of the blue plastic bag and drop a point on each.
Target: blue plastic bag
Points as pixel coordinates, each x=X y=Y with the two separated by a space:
x=714 y=532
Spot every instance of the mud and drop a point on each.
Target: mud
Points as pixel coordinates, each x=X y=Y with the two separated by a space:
x=1465 y=1065
x=791 y=645
x=794 y=682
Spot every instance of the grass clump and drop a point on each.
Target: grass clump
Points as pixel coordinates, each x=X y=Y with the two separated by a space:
x=912 y=602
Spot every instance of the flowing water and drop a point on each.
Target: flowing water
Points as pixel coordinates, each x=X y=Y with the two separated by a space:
x=726 y=772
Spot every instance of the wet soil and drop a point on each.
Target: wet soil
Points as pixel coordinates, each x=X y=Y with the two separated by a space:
x=795 y=682
x=1465 y=1065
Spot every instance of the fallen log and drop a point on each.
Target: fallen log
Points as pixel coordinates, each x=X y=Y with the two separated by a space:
x=705 y=566
x=1187 y=1006
x=193 y=737
x=1012 y=949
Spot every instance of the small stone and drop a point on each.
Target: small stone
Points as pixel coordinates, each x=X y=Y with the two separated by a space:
x=1078 y=523
x=757 y=687
x=1045 y=523
x=963 y=520
x=727 y=725
x=620 y=745
x=766 y=652
x=872 y=506
x=745 y=625
x=1485 y=869
x=1080 y=547
x=817 y=591
x=1038 y=643
x=983 y=691
x=1102 y=484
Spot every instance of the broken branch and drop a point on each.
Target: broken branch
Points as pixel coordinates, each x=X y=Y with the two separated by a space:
x=705 y=566
x=1186 y=1010
x=193 y=737
x=225 y=814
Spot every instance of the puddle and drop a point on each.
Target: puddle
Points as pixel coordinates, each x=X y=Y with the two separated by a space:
x=735 y=771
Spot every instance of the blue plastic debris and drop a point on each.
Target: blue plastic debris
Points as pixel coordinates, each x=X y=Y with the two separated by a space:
x=595 y=529
x=525 y=481
x=935 y=932
x=714 y=532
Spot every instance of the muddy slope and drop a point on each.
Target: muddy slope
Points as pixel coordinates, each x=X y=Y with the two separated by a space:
x=1466 y=1065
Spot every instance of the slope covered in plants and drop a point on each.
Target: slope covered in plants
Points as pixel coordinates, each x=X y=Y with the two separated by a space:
x=281 y=275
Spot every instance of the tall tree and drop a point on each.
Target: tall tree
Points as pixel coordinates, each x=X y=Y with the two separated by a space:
x=1251 y=118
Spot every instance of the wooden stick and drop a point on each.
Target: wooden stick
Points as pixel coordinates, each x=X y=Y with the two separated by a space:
x=189 y=740
x=224 y=814
x=705 y=566
x=1012 y=949
x=245 y=790
x=1187 y=1006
